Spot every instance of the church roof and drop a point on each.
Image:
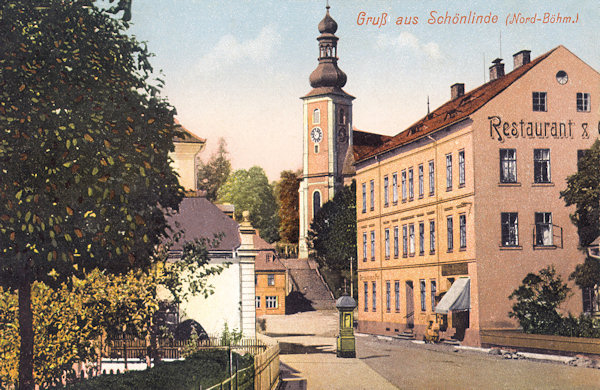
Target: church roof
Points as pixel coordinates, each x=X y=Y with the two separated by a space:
x=452 y=111
x=198 y=218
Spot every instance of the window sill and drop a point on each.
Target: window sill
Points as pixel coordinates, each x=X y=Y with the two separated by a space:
x=395 y=256
x=450 y=251
x=511 y=248
x=432 y=252
x=448 y=189
x=365 y=260
x=387 y=257
x=404 y=256
x=509 y=184
x=395 y=203
x=431 y=193
x=420 y=196
x=549 y=184
x=544 y=247
x=386 y=205
x=411 y=198
x=461 y=185
x=372 y=208
x=422 y=254
x=411 y=255
x=462 y=249
x=372 y=259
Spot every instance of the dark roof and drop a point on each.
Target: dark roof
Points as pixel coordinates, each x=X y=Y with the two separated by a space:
x=452 y=111
x=188 y=136
x=363 y=142
x=265 y=249
x=198 y=218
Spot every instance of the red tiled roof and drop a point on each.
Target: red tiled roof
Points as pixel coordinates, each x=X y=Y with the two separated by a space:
x=451 y=112
x=264 y=250
x=363 y=142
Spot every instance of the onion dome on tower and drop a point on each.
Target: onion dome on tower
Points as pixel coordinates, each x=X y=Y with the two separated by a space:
x=327 y=77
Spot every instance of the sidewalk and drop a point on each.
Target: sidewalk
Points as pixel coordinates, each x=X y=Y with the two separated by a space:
x=326 y=371
x=308 y=351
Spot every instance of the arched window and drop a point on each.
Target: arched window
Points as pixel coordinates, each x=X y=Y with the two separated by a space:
x=316 y=116
x=316 y=202
x=342 y=116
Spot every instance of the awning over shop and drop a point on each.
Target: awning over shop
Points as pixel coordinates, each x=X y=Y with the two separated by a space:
x=457 y=298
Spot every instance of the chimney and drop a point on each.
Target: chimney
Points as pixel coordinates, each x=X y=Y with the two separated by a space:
x=457 y=90
x=496 y=70
x=521 y=58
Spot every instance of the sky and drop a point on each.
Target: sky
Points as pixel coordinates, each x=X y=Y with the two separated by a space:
x=236 y=69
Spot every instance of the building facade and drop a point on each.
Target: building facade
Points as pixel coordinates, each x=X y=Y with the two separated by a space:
x=270 y=280
x=465 y=202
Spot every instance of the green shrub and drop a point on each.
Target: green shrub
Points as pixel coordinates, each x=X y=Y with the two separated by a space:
x=205 y=368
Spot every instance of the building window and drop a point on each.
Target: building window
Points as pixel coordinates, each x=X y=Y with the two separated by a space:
x=411 y=239
x=374 y=296
x=388 y=296
x=590 y=301
x=411 y=185
x=539 y=101
x=364 y=197
x=583 y=101
x=541 y=165
x=387 y=243
x=508 y=166
x=431 y=178
x=271 y=279
x=510 y=229
x=271 y=302
x=372 y=245
x=364 y=246
x=255 y=279
x=448 y=172
x=316 y=116
x=421 y=183
x=462 y=224
x=421 y=238
x=404 y=240
x=386 y=191
x=543 y=229
x=366 y=289
x=450 y=233
x=342 y=119
x=316 y=203
x=433 y=293
x=461 y=168
x=396 y=250
x=397 y=295
x=372 y=185
x=431 y=236
x=404 y=185
x=423 y=294
x=257 y=301
x=395 y=187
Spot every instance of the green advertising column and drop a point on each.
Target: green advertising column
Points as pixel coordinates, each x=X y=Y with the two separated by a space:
x=345 y=342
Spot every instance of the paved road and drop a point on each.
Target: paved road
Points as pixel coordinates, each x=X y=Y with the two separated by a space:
x=419 y=366
x=308 y=350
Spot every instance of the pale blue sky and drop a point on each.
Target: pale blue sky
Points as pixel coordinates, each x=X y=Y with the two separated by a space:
x=236 y=68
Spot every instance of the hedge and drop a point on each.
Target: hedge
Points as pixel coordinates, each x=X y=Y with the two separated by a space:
x=205 y=368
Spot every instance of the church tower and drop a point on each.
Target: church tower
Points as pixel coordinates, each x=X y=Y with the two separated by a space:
x=327 y=131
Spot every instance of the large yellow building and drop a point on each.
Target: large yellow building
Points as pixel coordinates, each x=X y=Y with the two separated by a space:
x=466 y=202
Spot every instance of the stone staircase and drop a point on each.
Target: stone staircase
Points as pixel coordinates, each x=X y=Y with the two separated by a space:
x=309 y=290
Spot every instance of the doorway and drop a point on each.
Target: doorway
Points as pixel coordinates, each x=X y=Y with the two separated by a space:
x=410 y=305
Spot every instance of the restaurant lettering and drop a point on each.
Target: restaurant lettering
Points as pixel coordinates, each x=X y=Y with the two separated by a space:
x=502 y=130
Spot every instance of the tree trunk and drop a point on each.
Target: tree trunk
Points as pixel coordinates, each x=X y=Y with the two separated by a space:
x=26 y=333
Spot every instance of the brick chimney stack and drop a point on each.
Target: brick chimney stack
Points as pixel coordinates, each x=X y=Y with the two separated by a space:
x=457 y=90
x=521 y=58
x=496 y=70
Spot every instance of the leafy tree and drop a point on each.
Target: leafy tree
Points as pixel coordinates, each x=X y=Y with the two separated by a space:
x=249 y=190
x=583 y=191
x=289 y=219
x=73 y=321
x=332 y=236
x=84 y=147
x=537 y=302
x=213 y=174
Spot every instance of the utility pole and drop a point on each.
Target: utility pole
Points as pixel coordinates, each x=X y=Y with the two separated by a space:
x=351 y=278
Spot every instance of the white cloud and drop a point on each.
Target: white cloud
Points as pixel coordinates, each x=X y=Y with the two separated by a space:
x=407 y=40
x=229 y=50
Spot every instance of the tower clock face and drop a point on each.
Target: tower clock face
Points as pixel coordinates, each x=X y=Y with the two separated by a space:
x=316 y=135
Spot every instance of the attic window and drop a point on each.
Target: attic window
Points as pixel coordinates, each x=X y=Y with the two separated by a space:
x=450 y=114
